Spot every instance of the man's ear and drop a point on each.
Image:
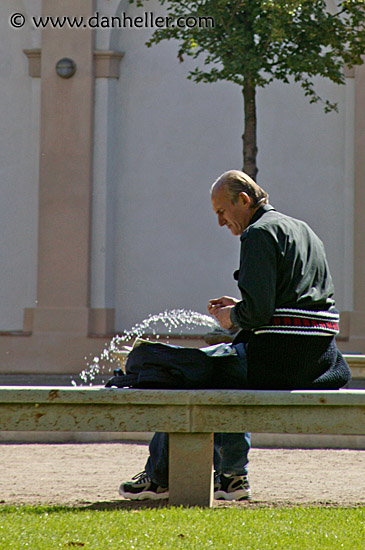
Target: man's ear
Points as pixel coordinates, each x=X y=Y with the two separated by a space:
x=244 y=199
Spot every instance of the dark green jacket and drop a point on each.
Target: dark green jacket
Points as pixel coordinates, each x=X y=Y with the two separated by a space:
x=283 y=265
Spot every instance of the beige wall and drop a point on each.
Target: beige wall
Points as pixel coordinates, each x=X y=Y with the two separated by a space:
x=56 y=330
x=121 y=170
x=66 y=138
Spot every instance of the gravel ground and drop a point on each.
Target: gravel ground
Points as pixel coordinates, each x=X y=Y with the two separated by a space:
x=90 y=474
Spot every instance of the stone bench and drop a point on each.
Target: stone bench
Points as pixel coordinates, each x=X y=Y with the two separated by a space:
x=190 y=417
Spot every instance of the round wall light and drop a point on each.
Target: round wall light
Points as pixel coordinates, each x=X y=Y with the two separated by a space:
x=66 y=67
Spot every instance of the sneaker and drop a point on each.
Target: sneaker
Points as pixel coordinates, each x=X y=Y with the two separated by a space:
x=142 y=487
x=232 y=488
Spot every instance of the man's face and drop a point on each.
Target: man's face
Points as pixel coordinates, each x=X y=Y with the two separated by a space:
x=235 y=216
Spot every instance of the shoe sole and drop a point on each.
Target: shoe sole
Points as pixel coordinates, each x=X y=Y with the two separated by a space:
x=145 y=495
x=235 y=495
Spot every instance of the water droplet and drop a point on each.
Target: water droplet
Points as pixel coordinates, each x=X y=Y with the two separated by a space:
x=185 y=320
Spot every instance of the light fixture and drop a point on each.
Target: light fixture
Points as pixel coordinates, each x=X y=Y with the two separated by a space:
x=66 y=67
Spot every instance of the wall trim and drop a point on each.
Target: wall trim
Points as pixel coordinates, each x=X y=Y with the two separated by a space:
x=107 y=63
x=34 y=62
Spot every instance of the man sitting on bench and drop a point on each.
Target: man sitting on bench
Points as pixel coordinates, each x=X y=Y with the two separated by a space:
x=286 y=322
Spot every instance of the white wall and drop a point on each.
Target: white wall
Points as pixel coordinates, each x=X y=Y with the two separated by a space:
x=160 y=141
x=19 y=138
x=174 y=137
x=306 y=164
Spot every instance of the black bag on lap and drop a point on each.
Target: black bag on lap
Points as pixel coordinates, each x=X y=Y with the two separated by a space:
x=161 y=366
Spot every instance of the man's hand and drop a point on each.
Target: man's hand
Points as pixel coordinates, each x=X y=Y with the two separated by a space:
x=220 y=308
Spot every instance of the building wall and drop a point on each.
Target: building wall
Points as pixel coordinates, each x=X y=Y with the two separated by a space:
x=160 y=141
x=173 y=137
x=306 y=160
x=19 y=151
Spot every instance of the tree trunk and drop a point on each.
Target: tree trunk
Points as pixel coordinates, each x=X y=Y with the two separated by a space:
x=249 y=137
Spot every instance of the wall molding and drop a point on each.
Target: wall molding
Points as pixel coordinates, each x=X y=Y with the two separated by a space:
x=106 y=63
x=34 y=62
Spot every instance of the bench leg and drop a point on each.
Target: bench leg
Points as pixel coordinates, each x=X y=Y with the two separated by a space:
x=191 y=469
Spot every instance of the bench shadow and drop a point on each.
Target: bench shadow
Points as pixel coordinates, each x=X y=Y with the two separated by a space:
x=126 y=505
x=163 y=503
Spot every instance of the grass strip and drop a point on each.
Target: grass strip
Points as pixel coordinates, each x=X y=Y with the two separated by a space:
x=47 y=528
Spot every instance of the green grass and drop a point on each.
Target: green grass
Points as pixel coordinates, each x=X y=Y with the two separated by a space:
x=312 y=528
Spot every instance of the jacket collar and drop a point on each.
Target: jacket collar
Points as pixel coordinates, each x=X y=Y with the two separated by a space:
x=260 y=212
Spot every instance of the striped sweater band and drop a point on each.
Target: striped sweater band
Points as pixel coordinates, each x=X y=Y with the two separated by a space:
x=302 y=322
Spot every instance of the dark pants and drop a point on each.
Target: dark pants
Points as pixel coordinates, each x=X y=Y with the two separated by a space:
x=230 y=455
x=230 y=449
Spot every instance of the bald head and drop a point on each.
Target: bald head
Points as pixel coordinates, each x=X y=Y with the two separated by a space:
x=235 y=182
